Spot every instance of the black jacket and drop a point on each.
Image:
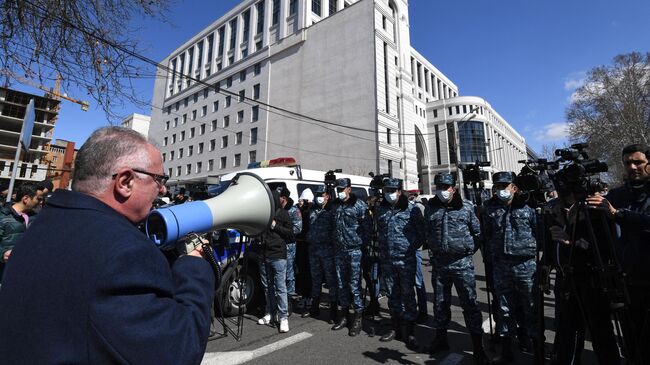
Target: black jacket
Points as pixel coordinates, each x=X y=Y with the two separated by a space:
x=274 y=240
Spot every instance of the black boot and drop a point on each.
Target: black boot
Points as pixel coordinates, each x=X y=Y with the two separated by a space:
x=314 y=310
x=333 y=312
x=409 y=336
x=440 y=342
x=372 y=310
x=478 y=352
x=392 y=332
x=524 y=341
x=355 y=329
x=504 y=355
x=342 y=321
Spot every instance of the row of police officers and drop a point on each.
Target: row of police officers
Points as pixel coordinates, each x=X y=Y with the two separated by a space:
x=341 y=226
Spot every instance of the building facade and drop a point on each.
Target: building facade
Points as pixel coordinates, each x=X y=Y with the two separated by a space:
x=138 y=122
x=60 y=163
x=334 y=84
x=13 y=105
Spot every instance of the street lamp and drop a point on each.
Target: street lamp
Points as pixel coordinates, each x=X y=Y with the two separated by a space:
x=457 y=124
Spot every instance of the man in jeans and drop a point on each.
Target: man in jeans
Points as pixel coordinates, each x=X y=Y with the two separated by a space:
x=273 y=267
x=296 y=224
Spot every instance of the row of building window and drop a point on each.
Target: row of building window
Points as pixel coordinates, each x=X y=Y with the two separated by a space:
x=223 y=164
x=433 y=86
x=212 y=145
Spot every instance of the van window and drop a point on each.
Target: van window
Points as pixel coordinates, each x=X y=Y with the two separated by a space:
x=360 y=193
x=275 y=185
x=302 y=187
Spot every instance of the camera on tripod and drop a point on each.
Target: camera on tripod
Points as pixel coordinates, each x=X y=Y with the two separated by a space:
x=377 y=183
x=577 y=175
x=330 y=181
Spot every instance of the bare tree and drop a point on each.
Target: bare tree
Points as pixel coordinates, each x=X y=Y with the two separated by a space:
x=612 y=109
x=88 y=43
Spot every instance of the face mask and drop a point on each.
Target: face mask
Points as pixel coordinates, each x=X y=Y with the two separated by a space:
x=504 y=195
x=343 y=195
x=391 y=198
x=320 y=200
x=443 y=195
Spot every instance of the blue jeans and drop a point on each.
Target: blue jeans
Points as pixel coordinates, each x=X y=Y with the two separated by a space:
x=275 y=289
x=291 y=277
x=420 y=290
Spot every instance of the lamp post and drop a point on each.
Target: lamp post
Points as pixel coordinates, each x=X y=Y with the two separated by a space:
x=457 y=124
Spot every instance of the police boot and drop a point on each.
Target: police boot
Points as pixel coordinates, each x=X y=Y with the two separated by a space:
x=342 y=321
x=392 y=332
x=523 y=341
x=409 y=336
x=504 y=355
x=440 y=342
x=479 y=354
x=356 y=324
x=314 y=310
x=333 y=313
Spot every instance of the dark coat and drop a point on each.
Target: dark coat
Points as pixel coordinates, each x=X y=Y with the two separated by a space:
x=351 y=224
x=274 y=240
x=401 y=229
x=510 y=230
x=12 y=227
x=84 y=286
x=452 y=229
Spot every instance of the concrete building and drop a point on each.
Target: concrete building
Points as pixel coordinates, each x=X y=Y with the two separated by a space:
x=334 y=84
x=60 y=166
x=137 y=122
x=13 y=105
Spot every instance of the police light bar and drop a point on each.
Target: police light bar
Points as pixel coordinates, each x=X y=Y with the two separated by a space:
x=276 y=162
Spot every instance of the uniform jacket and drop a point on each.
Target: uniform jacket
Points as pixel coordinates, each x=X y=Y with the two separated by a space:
x=85 y=286
x=452 y=229
x=321 y=225
x=509 y=229
x=351 y=223
x=634 y=238
x=401 y=229
x=296 y=217
x=12 y=227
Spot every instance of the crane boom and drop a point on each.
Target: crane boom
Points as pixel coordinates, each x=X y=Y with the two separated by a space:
x=55 y=93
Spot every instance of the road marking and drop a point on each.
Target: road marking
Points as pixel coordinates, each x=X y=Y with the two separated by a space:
x=240 y=357
x=452 y=359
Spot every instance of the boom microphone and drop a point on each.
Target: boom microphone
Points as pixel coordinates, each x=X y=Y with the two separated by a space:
x=247 y=206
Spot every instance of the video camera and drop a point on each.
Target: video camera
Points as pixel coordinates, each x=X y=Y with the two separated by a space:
x=330 y=181
x=472 y=173
x=577 y=175
x=377 y=183
x=533 y=177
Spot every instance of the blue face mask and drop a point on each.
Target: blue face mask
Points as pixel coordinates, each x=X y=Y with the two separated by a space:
x=504 y=195
x=342 y=195
x=391 y=197
x=443 y=195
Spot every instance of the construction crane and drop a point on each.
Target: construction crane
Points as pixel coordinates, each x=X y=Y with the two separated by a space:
x=54 y=93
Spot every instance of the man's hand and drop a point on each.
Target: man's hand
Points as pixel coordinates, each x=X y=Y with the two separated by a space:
x=198 y=249
x=559 y=235
x=6 y=255
x=598 y=201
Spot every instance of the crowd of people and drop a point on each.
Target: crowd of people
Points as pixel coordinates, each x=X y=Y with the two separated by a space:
x=81 y=283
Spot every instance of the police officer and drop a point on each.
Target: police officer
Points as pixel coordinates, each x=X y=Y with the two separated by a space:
x=453 y=231
x=509 y=227
x=321 y=252
x=400 y=232
x=351 y=233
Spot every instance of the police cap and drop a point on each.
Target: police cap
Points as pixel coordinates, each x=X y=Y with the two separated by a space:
x=321 y=189
x=343 y=183
x=503 y=177
x=444 y=178
x=393 y=183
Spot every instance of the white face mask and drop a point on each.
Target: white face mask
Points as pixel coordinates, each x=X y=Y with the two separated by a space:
x=443 y=195
x=342 y=195
x=391 y=198
x=504 y=195
x=320 y=200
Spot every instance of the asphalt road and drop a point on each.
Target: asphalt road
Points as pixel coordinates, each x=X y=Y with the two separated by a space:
x=310 y=340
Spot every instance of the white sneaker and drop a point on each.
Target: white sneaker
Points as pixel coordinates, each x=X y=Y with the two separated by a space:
x=266 y=320
x=284 y=325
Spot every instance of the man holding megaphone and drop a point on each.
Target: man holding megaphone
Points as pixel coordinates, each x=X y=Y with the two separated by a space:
x=86 y=286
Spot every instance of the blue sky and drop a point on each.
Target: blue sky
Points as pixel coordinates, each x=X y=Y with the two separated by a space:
x=524 y=57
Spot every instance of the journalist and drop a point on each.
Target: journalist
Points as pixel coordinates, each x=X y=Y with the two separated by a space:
x=85 y=286
x=629 y=207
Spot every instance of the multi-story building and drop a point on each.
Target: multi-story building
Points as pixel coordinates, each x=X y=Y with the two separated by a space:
x=332 y=83
x=137 y=122
x=13 y=105
x=60 y=165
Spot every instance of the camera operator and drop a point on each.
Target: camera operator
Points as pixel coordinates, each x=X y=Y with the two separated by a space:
x=321 y=253
x=453 y=231
x=400 y=233
x=85 y=286
x=629 y=207
x=351 y=226
x=509 y=230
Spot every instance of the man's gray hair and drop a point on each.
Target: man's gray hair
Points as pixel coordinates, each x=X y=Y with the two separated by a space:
x=106 y=151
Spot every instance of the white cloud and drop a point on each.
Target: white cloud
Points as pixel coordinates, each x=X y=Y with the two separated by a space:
x=574 y=80
x=552 y=132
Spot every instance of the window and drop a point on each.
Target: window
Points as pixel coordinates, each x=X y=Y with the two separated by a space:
x=173 y=138
x=193 y=114
x=333 y=4
x=255 y=113
x=240 y=116
x=293 y=7
x=260 y=17
x=222 y=34
x=228 y=99
x=169 y=171
x=226 y=121
x=164 y=156
x=200 y=149
x=217 y=86
x=457 y=109
x=210 y=165
x=182 y=136
x=256 y=91
x=171 y=155
x=388 y=135
x=253 y=140
x=237 y=161
x=167 y=125
x=202 y=129
x=178 y=171
x=192 y=132
x=224 y=141
x=258 y=45
x=188 y=169
x=165 y=141
x=180 y=153
x=315 y=7
x=199 y=165
x=190 y=151
x=213 y=144
x=229 y=81
x=383 y=22
x=275 y=15
x=257 y=69
x=246 y=17
x=238 y=138
x=215 y=106
x=242 y=95
x=242 y=75
x=204 y=110
x=184 y=118
x=233 y=33
x=195 y=97
x=222 y=164
x=252 y=156
x=213 y=127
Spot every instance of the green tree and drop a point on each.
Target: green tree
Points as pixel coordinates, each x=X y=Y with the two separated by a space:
x=612 y=109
